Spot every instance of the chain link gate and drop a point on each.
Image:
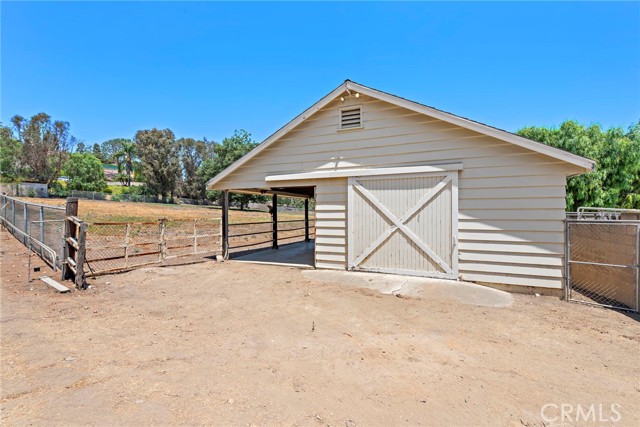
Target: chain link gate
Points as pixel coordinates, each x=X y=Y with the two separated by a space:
x=603 y=261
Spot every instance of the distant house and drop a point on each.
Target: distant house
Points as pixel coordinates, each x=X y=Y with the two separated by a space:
x=110 y=171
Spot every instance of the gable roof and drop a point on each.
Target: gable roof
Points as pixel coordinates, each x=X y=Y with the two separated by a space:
x=463 y=122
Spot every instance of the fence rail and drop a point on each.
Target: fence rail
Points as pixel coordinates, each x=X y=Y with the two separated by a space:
x=250 y=235
x=113 y=247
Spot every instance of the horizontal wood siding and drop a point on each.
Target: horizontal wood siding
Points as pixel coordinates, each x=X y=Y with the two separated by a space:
x=331 y=234
x=511 y=200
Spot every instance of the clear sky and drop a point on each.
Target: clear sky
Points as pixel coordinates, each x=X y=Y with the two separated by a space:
x=205 y=69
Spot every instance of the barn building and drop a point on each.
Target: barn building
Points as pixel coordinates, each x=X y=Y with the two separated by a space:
x=404 y=188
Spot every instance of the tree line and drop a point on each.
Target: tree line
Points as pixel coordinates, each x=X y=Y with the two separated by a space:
x=41 y=149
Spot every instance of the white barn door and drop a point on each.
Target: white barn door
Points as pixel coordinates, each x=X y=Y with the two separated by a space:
x=404 y=224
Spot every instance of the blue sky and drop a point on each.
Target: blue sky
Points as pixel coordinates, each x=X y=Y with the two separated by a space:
x=205 y=69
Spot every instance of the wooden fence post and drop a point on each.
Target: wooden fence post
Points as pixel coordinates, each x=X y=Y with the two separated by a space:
x=80 y=256
x=163 y=243
x=127 y=230
x=71 y=209
x=195 y=236
x=306 y=220
x=225 y=224
x=274 y=217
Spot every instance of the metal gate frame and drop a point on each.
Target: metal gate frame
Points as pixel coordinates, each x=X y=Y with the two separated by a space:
x=448 y=176
x=571 y=293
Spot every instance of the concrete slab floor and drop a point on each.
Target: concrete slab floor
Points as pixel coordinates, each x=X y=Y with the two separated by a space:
x=417 y=287
x=293 y=254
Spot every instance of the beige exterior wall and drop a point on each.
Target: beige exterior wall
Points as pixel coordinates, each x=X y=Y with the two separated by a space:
x=511 y=200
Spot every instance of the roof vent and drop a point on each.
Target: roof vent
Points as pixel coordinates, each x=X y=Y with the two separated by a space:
x=351 y=117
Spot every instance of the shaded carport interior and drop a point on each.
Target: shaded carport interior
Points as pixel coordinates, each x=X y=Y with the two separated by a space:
x=280 y=252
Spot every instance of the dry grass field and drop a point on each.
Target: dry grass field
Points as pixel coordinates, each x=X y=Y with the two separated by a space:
x=108 y=211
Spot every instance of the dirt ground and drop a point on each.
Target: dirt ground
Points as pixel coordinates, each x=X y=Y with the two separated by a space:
x=243 y=344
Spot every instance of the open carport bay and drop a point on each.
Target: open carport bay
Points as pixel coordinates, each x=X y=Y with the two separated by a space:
x=242 y=344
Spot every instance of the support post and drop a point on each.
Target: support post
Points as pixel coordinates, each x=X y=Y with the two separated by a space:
x=13 y=212
x=71 y=209
x=25 y=222
x=163 y=240
x=274 y=219
x=41 y=218
x=225 y=224
x=127 y=230
x=306 y=220
x=195 y=236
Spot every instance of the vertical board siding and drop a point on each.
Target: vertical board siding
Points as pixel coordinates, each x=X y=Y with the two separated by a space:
x=511 y=200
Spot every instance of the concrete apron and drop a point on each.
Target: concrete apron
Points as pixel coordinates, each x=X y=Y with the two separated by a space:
x=416 y=287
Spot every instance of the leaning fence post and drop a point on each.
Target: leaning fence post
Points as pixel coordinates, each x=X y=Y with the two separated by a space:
x=80 y=256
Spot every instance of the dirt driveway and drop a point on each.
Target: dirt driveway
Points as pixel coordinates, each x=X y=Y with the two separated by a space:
x=242 y=344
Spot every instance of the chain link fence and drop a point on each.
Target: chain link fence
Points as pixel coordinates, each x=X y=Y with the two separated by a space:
x=603 y=263
x=113 y=247
x=39 y=227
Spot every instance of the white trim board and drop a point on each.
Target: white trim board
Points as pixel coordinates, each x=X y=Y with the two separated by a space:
x=343 y=173
x=582 y=162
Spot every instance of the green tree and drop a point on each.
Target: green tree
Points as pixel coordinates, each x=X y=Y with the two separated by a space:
x=45 y=146
x=96 y=150
x=112 y=147
x=85 y=173
x=10 y=153
x=159 y=158
x=222 y=156
x=126 y=158
x=81 y=148
x=192 y=154
x=614 y=182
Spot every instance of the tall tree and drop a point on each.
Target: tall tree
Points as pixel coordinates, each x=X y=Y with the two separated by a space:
x=112 y=147
x=81 y=147
x=10 y=153
x=224 y=154
x=84 y=171
x=614 y=182
x=192 y=154
x=45 y=146
x=159 y=156
x=96 y=150
x=126 y=158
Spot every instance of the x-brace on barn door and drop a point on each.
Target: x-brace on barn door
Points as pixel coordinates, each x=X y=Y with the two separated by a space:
x=404 y=224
